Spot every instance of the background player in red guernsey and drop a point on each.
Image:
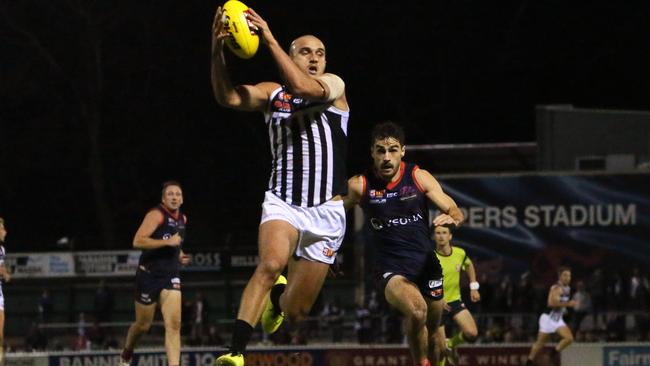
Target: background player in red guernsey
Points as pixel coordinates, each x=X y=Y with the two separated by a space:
x=157 y=278
x=303 y=219
x=394 y=196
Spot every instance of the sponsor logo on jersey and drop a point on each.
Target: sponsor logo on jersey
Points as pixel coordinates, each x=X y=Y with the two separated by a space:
x=375 y=193
x=376 y=223
x=379 y=224
x=283 y=102
x=328 y=252
x=435 y=283
x=407 y=193
x=176 y=283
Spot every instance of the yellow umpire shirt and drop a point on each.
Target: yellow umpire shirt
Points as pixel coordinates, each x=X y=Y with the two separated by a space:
x=452 y=265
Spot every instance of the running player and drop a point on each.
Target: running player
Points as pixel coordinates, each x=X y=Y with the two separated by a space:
x=394 y=196
x=303 y=219
x=453 y=260
x=4 y=277
x=551 y=321
x=157 y=278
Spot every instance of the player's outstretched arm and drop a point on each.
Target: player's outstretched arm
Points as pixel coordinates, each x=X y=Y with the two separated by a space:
x=326 y=87
x=241 y=97
x=432 y=189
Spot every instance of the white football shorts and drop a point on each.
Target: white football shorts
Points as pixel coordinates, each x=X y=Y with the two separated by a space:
x=321 y=228
x=549 y=325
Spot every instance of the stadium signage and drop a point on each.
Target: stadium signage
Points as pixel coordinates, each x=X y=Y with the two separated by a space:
x=585 y=219
x=626 y=356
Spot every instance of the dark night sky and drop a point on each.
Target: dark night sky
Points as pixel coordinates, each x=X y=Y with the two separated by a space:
x=126 y=83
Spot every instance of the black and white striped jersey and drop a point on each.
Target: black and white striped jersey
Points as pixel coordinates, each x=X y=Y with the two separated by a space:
x=308 y=147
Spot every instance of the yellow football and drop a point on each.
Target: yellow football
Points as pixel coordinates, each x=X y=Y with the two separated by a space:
x=244 y=42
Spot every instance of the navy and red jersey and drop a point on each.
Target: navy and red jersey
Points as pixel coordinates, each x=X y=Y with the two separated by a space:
x=397 y=216
x=164 y=260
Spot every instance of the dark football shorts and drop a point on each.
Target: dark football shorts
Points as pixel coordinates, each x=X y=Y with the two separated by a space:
x=429 y=280
x=149 y=284
x=455 y=308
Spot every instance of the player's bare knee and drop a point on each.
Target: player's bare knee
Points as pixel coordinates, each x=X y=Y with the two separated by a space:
x=470 y=335
x=569 y=339
x=417 y=316
x=142 y=327
x=269 y=270
x=173 y=325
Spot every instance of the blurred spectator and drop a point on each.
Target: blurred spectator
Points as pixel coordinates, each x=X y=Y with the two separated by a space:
x=103 y=302
x=187 y=319
x=615 y=327
x=523 y=294
x=96 y=336
x=363 y=324
x=199 y=313
x=583 y=306
x=332 y=315
x=214 y=338
x=503 y=294
x=81 y=323
x=639 y=287
x=598 y=300
x=376 y=310
x=45 y=305
x=81 y=341
x=36 y=340
x=299 y=334
x=616 y=292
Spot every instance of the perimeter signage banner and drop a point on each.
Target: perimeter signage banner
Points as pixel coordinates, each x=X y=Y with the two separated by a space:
x=73 y=264
x=542 y=220
x=345 y=356
x=36 y=265
x=626 y=356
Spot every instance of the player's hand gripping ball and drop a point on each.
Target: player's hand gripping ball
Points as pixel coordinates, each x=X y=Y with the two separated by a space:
x=244 y=41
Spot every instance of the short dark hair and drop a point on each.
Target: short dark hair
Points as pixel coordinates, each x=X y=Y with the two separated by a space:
x=168 y=183
x=387 y=129
x=561 y=269
x=432 y=229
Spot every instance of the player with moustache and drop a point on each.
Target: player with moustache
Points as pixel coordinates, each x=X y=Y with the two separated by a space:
x=394 y=196
x=160 y=237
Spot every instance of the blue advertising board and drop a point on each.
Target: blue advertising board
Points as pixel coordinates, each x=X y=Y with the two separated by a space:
x=542 y=221
x=626 y=356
